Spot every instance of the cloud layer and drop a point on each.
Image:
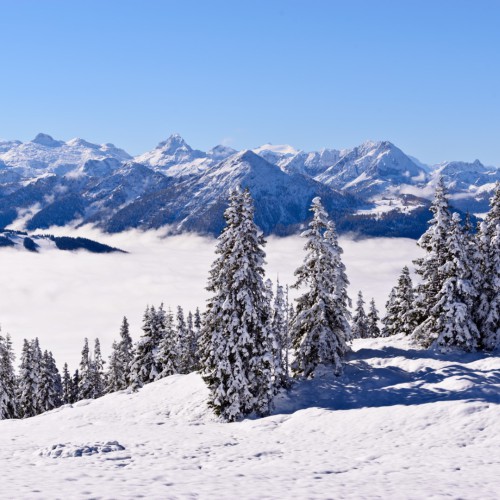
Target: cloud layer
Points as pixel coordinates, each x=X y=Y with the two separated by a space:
x=62 y=297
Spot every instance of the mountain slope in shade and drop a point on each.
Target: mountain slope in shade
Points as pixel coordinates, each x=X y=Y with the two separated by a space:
x=282 y=200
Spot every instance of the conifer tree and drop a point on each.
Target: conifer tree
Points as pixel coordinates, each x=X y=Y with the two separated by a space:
x=97 y=364
x=434 y=242
x=360 y=326
x=115 y=377
x=29 y=379
x=400 y=317
x=144 y=367
x=75 y=385
x=50 y=389
x=126 y=349
x=320 y=329
x=183 y=343
x=280 y=333
x=237 y=365
x=120 y=361
x=192 y=343
x=86 y=376
x=373 y=319
x=168 y=358
x=451 y=316
x=487 y=313
x=8 y=399
x=67 y=386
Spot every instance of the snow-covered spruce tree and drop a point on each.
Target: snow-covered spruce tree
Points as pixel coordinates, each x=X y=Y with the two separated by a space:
x=75 y=395
x=67 y=385
x=126 y=351
x=373 y=319
x=320 y=328
x=280 y=337
x=144 y=367
x=359 y=326
x=168 y=358
x=50 y=390
x=120 y=361
x=429 y=267
x=98 y=382
x=450 y=320
x=183 y=343
x=86 y=378
x=391 y=315
x=8 y=399
x=488 y=305
x=400 y=317
x=237 y=366
x=192 y=343
x=29 y=379
x=115 y=376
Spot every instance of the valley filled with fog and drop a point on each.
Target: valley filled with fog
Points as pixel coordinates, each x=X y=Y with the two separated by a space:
x=62 y=297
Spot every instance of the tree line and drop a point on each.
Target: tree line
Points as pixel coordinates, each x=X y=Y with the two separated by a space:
x=250 y=342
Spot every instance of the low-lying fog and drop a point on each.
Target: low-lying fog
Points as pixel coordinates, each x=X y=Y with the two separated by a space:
x=62 y=297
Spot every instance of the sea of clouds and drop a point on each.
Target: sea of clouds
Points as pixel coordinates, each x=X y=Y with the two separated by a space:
x=62 y=297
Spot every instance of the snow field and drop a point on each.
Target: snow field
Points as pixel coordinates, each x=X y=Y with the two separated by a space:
x=400 y=423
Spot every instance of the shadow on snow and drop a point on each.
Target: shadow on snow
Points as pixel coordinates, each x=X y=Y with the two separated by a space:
x=390 y=376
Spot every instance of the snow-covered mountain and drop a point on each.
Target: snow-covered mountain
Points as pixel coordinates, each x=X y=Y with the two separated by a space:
x=374 y=188
x=197 y=203
x=400 y=423
x=46 y=155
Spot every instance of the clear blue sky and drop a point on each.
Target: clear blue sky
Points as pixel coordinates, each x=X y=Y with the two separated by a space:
x=423 y=74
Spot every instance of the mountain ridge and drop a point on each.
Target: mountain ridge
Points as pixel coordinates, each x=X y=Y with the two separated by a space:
x=373 y=188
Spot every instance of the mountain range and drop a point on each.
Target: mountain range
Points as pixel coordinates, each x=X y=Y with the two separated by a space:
x=372 y=189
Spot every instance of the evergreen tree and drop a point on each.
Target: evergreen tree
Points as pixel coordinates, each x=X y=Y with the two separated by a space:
x=86 y=376
x=279 y=328
x=429 y=267
x=29 y=379
x=120 y=361
x=50 y=390
x=67 y=386
x=237 y=365
x=487 y=314
x=320 y=329
x=192 y=343
x=75 y=385
x=391 y=317
x=115 y=376
x=126 y=351
x=400 y=317
x=144 y=367
x=373 y=319
x=8 y=399
x=168 y=351
x=360 y=326
x=97 y=364
x=451 y=316
x=183 y=343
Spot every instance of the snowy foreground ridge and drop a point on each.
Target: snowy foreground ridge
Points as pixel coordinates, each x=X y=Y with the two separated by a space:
x=400 y=423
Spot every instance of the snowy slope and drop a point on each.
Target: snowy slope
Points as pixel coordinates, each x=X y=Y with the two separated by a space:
x=400 y=423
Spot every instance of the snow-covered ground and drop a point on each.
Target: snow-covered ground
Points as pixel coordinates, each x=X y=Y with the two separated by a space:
x=400 y=423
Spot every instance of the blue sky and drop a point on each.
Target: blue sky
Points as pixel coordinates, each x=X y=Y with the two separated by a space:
x=422 y=74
